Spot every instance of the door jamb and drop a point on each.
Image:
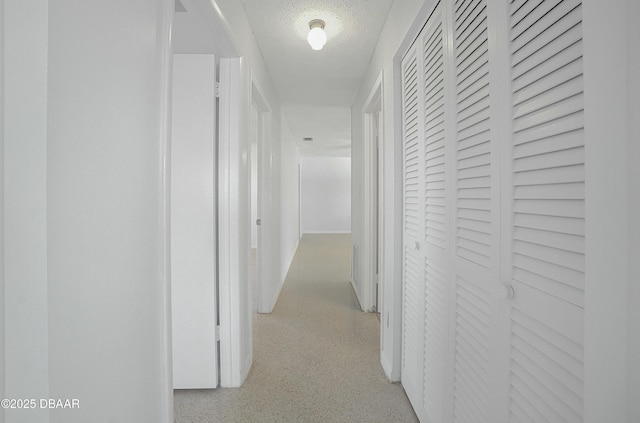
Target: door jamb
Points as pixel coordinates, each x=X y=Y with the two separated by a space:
x=373 y=105
x=263 y=269
x=229 y=277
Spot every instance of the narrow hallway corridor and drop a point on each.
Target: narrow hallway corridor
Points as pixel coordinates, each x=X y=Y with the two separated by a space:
x=316 y=357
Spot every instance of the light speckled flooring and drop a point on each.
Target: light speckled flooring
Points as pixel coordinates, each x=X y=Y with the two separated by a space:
x=316 y=357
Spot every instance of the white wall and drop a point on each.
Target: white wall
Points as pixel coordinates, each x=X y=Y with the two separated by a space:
x=325 y=195
x=611 y=90
x=633 y=159
x=85 y=144
x=107 y=199
x=2 y=303
x=401 y=17
x=288 y=160
x=25 y=199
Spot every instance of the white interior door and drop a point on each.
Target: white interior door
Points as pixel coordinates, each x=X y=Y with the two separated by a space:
x=436 y=245
x=475 y=178
x=193 y=222
x=412 y=230
x=546 y=232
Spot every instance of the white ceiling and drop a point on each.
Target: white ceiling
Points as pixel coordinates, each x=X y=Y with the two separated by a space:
x=317 y=88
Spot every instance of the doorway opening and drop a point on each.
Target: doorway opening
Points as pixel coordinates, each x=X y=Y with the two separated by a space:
x=204 y=168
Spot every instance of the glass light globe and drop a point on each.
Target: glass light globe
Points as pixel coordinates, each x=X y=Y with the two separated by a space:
x=317 y=38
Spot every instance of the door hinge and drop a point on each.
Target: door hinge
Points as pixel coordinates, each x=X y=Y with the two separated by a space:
x=217 y=333
x=259 y=222
x=217 y=89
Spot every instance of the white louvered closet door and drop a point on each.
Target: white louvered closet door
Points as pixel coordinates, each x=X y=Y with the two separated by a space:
x=413 y=210
x=476 y=253
x=546 y=231
x=426 y=291
x=436 y=228
x=493 y=223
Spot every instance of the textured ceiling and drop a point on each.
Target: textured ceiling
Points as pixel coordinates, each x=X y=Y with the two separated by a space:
x=317 y=88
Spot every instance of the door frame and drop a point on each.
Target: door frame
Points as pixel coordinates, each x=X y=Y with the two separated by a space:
x=264 y=233
x=232 y=364
x=373 y=201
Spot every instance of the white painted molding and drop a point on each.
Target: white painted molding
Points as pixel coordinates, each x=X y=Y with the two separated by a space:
x=373 y=104
x=264 y=273
x=228 y=203
x=166 y=54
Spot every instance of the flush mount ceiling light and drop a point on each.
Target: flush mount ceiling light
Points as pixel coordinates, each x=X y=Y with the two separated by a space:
x=317 y=37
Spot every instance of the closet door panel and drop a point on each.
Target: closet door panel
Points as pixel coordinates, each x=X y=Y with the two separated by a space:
x=436 y=231
x=474 y=190
x=546 y=253
x=413 y=272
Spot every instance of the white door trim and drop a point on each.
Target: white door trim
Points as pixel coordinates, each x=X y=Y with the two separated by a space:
x=372 y=106
x=264 y=277
x=229 y=156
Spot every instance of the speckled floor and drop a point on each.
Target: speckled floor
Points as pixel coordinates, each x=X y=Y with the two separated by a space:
x=316 y=357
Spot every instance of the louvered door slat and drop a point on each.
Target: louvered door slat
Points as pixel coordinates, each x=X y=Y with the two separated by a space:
x=547 y=234
x=545 y=28
x=520 y=9
x=550 y=160
x=529 y=56
x=535 y=21
x=464 y=12
x=469 y=63
x=549 y=113
x=567 y=173
x=557 y=274
x=474 y=135
x=469 y=397
x=557 y=142
x=547 y=223
x=471 y=371
x=471 y=99
x=574 y=122
x=570 y=191
x=553 y=239
x=472 y=85
x=480 y=159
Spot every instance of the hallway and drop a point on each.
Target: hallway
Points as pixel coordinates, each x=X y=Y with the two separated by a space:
x=316 y=357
